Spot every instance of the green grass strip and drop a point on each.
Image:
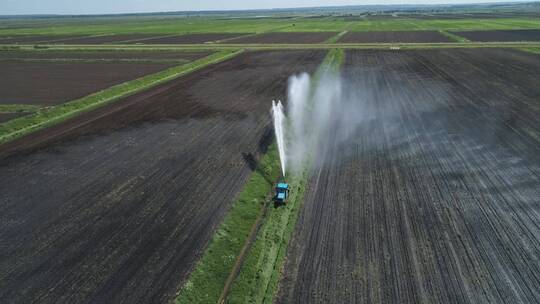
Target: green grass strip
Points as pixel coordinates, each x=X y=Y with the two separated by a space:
x=259 y=277
x=335 y=38
x=18 y=108
x=454 y=37
x=211 y=272
x=53 y=115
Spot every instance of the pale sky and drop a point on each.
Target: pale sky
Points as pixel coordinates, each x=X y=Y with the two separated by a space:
x=14 y=7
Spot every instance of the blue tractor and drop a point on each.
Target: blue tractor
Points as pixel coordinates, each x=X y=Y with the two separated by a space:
x=282 y=192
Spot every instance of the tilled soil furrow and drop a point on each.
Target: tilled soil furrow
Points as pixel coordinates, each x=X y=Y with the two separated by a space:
x=439 y=184
x=118 y=204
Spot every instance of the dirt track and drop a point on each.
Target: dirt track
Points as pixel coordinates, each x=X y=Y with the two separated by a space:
x=117 y=205
x=316 y=37
x=58 y=82
x=395 y=36
x=435 y=196
x=501 y=35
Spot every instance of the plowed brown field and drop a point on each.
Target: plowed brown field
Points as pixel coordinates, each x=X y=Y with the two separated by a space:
x=435 y=197
x=58 y=82
x=190 y=38
x=501 y=35
x=395 y=36
x=292 y=37
x=116 y=205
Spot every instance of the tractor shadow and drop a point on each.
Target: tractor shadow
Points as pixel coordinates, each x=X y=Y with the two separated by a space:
x=253 y=165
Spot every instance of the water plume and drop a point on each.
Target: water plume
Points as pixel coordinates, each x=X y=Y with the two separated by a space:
x=279 y=128
x=318 y=114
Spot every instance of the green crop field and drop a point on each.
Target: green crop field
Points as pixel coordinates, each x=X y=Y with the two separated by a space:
x=181 y=25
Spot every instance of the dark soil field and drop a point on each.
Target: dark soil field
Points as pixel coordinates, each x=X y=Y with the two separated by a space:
x=110 y=39
x=508 y=35
x=300 y=38
x=189 y=38
x=58 y=82
x=116 y=206
x=435 y=196
x=34 y=39
x=103 y=55
x=401 y=36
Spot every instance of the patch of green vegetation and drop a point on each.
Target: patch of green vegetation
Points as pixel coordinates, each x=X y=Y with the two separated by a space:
x=208 y=279
x=332 y=62
x=258 y=279
x=535 y=50
x=335 y=38
x=45 y=117
x=18 y=108
x=454 y=37
x=326 y=24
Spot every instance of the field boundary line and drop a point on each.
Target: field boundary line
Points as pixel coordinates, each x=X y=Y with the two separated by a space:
x=454 y=37
x=334 y=39
x=245 y=249
x=95 y=100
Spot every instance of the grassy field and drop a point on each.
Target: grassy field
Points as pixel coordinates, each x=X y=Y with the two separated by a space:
x=297 y=24
x=52 y=115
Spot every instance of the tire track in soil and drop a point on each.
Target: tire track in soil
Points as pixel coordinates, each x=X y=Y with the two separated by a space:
x=435 y=197
x=120 y=208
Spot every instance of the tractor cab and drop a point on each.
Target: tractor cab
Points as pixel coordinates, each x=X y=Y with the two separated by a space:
x=282 y=192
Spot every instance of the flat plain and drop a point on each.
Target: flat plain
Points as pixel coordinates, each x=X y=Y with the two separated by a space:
x=427 y=190
x=117 y=205
x=433 y=196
